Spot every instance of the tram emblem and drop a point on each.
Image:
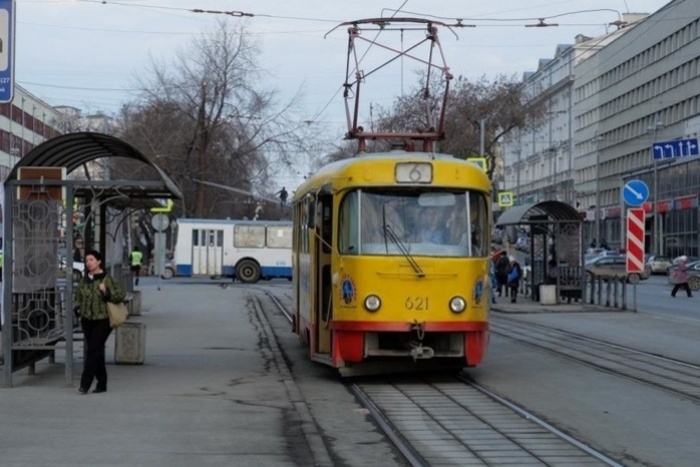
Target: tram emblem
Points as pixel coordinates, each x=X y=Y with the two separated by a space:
x=348 y=291
x=478 y=291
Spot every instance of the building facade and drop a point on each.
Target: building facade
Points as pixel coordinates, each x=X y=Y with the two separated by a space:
x=642 y=88
x=608 y=100
x=25 y=122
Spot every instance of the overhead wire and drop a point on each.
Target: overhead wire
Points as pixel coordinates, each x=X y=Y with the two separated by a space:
x=238 y=13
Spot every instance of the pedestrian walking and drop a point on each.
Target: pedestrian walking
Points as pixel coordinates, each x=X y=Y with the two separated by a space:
x=681 y=278
x=283 y=196
x=136 y=258
x=514 y=273
x=93 y=292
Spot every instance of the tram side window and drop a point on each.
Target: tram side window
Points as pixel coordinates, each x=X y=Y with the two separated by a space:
x=348 y=231
x=195 y=238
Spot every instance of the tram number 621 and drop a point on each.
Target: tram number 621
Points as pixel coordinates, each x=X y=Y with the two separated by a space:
x=416 y=303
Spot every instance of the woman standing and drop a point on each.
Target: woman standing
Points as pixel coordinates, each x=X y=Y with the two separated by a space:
x=95 y=289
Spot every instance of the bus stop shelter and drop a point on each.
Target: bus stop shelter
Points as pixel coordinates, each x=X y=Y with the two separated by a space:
x=555 y=246
x=58 y=197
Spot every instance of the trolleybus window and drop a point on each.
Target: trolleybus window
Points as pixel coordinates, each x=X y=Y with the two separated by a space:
x=249 y=236
x=434 y=223
x=279 y=236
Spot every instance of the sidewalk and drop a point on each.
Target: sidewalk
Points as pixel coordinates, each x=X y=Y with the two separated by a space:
x=527 y=305
x=210 y=393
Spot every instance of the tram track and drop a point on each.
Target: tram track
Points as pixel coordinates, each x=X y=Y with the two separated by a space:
x=670 y=375
x=443 y=419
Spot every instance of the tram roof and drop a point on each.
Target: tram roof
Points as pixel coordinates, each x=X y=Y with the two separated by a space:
x=539 y=213
x=349 y=167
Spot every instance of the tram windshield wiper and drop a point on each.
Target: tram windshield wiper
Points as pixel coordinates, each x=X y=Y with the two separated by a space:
x=389 y=233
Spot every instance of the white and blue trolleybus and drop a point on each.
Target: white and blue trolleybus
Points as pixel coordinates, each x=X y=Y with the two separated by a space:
x=241 y=249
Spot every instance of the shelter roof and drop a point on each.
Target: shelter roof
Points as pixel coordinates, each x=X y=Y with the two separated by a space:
x=75 y=149
x=555 y=211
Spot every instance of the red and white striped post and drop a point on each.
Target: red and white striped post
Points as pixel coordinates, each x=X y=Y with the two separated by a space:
x=635 y=240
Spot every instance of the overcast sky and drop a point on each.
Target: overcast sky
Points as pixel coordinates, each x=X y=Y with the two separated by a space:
x=86 y=53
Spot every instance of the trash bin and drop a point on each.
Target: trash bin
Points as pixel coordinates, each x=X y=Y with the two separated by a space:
x=130 y=344
x=548 y=294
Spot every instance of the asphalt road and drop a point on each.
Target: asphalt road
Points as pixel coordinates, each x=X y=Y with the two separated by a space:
x=654 y=297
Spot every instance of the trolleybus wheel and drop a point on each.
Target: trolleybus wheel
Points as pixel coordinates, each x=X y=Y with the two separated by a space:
x=248 y=271
x=694 y=283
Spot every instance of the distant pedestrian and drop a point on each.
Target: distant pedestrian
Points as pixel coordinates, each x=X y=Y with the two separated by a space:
x=514 y=272
x=283 y=196
x=604 y=245
x=136 y=258
x=493 y=280
x=501 y=273
x=681 y=278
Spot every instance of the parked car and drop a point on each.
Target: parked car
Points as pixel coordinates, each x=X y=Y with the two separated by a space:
x=523 y=244
x=594 y=253
x=693 y=275
x=659 y=264
x=78 y=268
x=615 y=266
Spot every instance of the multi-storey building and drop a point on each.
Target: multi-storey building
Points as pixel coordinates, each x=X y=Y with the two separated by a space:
x=540 y=160
x=641 y=88
x=624 y=91
x=25 y=122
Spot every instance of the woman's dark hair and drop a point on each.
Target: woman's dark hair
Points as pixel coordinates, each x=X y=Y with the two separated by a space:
x=96 y=254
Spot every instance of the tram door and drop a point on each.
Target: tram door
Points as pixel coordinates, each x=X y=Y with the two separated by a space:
x=207 y=252
x=324 y=296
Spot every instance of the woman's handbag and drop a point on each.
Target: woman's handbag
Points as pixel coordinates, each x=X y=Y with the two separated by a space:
x=117 y=314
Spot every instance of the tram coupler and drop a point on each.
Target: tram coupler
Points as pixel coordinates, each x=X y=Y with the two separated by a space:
x=419 y=329
x=420 y=352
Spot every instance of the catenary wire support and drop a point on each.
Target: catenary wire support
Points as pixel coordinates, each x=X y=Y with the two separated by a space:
x=355 y=76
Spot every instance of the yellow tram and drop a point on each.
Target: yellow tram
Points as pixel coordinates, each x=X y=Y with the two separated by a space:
x=390 y=263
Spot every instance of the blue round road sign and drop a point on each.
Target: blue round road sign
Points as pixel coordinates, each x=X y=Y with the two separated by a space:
x=635 y=193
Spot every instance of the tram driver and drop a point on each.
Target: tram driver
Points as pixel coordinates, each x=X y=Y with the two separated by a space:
x=433 y=228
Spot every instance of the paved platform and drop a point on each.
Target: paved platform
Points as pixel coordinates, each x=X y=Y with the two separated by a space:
x=209 y=393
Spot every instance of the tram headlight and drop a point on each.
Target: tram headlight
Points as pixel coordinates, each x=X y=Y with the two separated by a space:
x=457 y=304
x=372 y=303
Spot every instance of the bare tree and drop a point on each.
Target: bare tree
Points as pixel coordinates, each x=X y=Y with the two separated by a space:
x=500 y=103
x=204 y=117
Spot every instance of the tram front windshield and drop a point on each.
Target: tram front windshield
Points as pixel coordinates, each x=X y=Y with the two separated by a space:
x=427 y=223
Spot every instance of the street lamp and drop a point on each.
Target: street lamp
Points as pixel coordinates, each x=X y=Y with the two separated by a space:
x=656 y=232
x=597 y=139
